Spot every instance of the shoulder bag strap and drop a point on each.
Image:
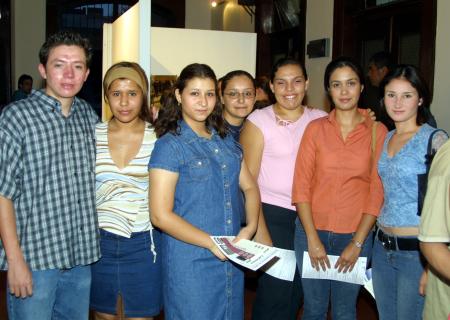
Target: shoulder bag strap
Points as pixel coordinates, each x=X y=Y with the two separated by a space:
x=373 y=145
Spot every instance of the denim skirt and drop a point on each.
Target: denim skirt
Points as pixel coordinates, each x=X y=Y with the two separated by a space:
x=128 y=268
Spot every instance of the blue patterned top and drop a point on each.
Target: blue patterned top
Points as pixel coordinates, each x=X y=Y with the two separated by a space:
x=399 y=177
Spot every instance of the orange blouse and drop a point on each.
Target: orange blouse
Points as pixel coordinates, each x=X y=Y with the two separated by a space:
x=336 y=177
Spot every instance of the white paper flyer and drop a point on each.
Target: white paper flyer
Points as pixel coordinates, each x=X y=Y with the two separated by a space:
x=246 y=253
x=357 y=275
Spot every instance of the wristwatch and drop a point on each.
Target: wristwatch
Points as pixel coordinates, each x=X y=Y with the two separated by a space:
x=357 y=243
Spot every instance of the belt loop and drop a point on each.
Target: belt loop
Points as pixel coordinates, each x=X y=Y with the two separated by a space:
x=377 y=229
x=396 y=242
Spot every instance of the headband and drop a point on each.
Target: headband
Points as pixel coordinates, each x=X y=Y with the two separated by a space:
x=125 y=73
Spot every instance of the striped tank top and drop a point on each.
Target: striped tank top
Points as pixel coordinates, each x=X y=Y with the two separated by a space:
x=122 y=194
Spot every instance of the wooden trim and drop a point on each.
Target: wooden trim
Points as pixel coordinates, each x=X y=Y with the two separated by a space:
x=347 y=13
x=428 y=42
x=264 y=10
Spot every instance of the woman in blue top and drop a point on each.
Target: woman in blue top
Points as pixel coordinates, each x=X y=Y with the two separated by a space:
x=397 y=263
x=196 y=172
x=238 y=98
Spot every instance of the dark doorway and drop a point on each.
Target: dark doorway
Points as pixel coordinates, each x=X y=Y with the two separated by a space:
x=404 y=28
x=5 y=53
x=280 y=27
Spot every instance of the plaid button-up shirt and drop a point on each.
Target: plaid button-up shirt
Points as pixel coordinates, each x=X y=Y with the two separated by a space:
x=47 y=169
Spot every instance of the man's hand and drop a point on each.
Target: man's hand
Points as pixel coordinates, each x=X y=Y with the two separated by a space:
x=20 y=281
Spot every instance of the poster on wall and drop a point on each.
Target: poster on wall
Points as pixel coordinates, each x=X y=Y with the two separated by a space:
x=160 y=87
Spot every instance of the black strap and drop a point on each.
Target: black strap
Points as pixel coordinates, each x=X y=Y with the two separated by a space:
x=423 y=178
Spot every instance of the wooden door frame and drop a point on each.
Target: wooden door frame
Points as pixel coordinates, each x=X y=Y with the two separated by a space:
x=5 y=36
x=264 y=9
x=344 y=30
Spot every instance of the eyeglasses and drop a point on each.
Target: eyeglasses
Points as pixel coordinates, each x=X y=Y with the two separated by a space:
x=236 y=95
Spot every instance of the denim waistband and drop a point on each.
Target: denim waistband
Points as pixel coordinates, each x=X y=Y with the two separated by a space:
x=393 y=242
x=134 y=235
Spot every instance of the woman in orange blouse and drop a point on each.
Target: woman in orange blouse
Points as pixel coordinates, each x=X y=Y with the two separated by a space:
x=337 y=191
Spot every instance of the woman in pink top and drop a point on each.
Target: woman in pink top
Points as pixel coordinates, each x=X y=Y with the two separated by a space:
x=337 y=191
x=270 y=139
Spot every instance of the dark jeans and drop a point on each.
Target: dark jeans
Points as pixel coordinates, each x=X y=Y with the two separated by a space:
x=278 y=299
x=320 y=292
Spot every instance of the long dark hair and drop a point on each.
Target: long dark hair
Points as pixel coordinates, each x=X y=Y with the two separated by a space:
x=170 y=113
x=411 y=74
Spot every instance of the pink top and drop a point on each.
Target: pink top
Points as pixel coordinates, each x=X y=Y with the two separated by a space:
x=281 y=144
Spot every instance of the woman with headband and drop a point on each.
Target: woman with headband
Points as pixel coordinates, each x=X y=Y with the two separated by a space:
x=129 y=267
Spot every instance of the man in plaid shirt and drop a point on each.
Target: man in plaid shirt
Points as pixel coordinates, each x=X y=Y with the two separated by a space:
x=48 y=222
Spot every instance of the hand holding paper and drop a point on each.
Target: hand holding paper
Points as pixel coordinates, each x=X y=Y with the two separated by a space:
x=357 y=275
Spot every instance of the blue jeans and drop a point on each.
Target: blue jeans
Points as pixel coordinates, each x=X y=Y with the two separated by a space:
x=317 y=293
x=396 y=275
x=57 y=294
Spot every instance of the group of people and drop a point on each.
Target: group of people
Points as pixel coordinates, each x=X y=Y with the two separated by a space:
x=120 y=213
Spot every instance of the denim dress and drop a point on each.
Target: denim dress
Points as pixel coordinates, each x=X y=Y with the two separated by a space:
x=197 y=285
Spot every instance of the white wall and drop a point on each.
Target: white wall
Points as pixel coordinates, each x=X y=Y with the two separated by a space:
x=319 y=25
x=441 y=99
x=126 y=36
x=27 y=35
x=223 y=51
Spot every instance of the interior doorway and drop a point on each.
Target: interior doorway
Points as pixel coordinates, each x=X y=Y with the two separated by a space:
x=5 y=53
x=404 y=28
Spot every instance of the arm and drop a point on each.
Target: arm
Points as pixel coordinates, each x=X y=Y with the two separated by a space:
x=348 y=257
x=19 y=276
x=316 y=250
x=252 y=202
x=434 y=223
x=302 y=197
x=438 y=256
x=252 y=141
x=161 y=196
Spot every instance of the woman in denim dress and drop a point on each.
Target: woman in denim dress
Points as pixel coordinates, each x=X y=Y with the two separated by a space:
x=196 y=173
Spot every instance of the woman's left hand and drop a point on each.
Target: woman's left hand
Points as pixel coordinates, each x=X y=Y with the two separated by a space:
x=348 y=258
